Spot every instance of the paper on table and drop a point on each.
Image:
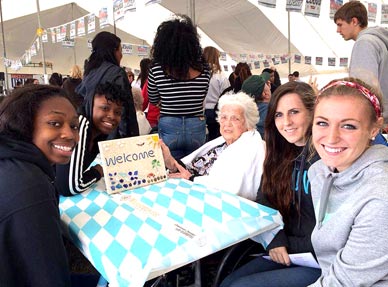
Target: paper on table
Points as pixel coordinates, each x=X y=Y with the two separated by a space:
x=301 y=259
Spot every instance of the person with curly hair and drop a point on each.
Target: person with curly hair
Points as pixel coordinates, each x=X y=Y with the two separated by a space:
x=100 y=118
x=178 y=82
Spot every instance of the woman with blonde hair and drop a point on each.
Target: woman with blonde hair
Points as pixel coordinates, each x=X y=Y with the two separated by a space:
x=218 y=83
x=72 y=82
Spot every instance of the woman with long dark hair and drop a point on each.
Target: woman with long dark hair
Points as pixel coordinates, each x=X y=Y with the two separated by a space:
x=178 y=81
x=103 y=66
x=285 y=187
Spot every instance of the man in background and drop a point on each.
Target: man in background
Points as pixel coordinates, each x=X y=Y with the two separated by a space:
x=369 y=59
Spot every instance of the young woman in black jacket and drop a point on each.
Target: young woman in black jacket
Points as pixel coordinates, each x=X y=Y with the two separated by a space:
x=285 y=187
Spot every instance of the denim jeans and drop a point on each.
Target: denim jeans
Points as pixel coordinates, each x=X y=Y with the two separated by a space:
x=182 y=135
x=262 y=272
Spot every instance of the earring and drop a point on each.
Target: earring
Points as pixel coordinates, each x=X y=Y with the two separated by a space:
x=373 y=138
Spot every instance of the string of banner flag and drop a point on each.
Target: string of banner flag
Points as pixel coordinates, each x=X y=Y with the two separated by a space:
x=68 y=32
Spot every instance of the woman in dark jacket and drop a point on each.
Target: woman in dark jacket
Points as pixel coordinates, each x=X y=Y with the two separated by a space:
x=72 y=82
x=103 y=66
x=285 y=187
x=38 y=128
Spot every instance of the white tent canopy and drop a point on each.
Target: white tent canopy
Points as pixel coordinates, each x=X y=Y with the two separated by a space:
x=234 y=26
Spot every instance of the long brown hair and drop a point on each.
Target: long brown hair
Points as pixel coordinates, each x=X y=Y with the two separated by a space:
x=280 y=154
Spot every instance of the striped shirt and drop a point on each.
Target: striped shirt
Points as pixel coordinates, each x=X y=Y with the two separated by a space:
x=76 y=176
x=178 y=97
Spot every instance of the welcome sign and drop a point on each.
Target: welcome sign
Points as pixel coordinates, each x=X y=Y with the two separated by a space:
x=132 y=162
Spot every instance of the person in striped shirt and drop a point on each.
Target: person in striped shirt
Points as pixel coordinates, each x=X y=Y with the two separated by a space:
x=100 y=118
x=178 y=81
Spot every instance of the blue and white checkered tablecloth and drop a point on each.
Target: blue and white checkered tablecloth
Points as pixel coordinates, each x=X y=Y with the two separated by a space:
x=145 y=232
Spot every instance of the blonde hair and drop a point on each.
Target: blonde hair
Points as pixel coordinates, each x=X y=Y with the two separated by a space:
x=76 y=72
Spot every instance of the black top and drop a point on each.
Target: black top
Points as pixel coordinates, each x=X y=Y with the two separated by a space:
x=31 y=246
x=298 y=225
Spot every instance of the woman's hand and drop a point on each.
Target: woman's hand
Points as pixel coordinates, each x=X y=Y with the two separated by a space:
x=181 y=173
x=169 y=161
x=280 y=255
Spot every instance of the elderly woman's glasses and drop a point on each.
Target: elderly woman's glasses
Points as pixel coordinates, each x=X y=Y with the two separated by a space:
x=233 y=119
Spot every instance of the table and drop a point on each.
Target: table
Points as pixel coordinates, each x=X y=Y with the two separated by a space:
x=142 y=233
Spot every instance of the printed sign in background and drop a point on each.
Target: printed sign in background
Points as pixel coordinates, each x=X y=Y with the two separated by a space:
x=132 y=162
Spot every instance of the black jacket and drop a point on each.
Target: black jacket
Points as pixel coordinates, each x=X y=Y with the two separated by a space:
x=31 y=247
x=298 y=226
x=111 y=73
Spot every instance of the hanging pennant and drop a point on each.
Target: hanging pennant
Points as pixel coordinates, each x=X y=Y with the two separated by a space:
x=53 y=35
x=81 y=27
x=226 y=68
x=63 y=32
x=58 y=34
x=243 y=57
x=256 y=64
x=307 y=60
x=343 y=62
x=372 y=11
x=68 y=43
x=126 y=49
x=268 y=3
x=44 y=36
x=297 y=58
x=103 y=16
x=334 y=6
x=149 y=2
x=222 y=56
x=142 y=50
x=284 y=59
x=33 y=51
x=118 y=12
x=72 y=30
x=384 y=13
x=294 y=5
x=91 y=23
x=312 y=8
x=129 y=6
x=331 y=62
x=318 y=61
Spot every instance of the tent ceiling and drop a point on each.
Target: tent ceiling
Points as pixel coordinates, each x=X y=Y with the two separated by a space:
x=20 y=34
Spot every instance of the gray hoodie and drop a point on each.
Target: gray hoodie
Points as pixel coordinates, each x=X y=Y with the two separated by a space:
x=369 y=60
x=350 y=238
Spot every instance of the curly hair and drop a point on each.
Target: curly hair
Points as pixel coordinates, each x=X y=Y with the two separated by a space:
x=177 y=48
x=280 y=154
x=18 y=110
x=104 y=46
x=112 y=92
x=244 y=101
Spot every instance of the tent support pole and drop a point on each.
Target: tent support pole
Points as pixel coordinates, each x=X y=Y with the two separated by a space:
x=289 y=43
x=41 y=44
x=5 y=53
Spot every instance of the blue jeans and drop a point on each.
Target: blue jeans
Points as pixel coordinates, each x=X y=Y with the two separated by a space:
x=182 y=135
x=262 y=272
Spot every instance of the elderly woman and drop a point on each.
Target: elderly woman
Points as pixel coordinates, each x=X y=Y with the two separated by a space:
x=232 y=162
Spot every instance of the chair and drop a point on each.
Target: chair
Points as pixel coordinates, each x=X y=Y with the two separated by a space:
x=236 y=256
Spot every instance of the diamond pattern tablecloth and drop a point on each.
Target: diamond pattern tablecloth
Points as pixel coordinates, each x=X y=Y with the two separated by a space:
x=145 y=232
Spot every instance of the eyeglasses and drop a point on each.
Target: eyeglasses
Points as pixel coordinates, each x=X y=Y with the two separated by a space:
x=233 y=119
